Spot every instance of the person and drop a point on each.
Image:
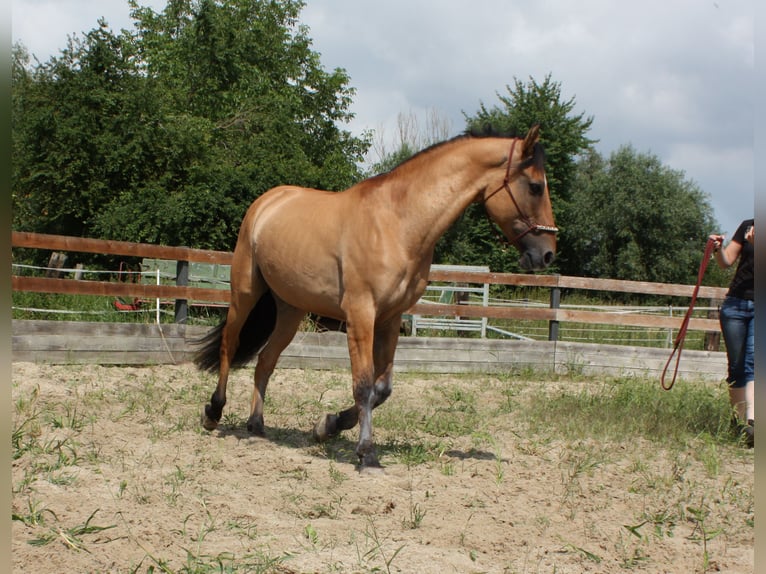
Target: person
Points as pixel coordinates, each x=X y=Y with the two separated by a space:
x=737 y=318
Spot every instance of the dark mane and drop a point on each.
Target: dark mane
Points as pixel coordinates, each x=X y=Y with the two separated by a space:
x=486 y=131
x=490 y=131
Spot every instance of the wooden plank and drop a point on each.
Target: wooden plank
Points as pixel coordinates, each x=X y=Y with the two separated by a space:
x=81 y=328
x=82 y=244
x=87 y=357
x=585 y=283
x=635 y=320
x=570 y=315
x=649 y=288
x=525 y=313
x=135 y=344
x=493 y=278
x=644 y=361
x=45 y=343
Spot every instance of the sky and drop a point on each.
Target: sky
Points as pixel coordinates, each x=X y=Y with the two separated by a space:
x=674 y=78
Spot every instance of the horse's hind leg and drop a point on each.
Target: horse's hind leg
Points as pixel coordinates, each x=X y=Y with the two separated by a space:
x=288 y=320
x=247 y=290
x=240 y=308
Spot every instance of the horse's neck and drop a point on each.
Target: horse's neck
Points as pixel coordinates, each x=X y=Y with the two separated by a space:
x=443 y=188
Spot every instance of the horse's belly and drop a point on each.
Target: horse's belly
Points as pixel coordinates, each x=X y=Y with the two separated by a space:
x=308 y=283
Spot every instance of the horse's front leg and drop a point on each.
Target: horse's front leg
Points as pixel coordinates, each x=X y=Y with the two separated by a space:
x=384 y=345
x=360 y=346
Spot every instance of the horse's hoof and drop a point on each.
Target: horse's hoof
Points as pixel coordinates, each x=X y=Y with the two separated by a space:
x=368 y=459
x=372 y=470
x=208 y=423
x=256 y=428
x=325 y=428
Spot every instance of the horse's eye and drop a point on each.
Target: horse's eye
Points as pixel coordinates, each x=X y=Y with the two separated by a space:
x=536 y=188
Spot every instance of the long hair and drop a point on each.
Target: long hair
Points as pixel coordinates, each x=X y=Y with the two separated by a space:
x=255 y=333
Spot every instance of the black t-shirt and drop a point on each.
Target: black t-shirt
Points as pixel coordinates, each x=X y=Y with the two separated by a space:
x=742 y=284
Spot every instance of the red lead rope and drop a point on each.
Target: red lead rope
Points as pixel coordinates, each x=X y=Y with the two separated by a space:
x=679 y=343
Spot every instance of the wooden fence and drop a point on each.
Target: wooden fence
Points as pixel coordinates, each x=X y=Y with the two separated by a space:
x=700 y=363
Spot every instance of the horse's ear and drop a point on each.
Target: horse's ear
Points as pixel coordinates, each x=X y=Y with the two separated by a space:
x=532 y=137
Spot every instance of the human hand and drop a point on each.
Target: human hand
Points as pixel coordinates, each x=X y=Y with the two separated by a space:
x=750 y=234
x=717 y=240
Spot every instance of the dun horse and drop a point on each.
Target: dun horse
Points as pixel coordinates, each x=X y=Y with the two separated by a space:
x=363 y=256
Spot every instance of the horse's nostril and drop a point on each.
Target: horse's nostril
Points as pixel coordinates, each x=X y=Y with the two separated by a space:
x=548 y=257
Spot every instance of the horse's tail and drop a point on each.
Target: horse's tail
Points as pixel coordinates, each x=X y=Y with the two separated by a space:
x=255 y=333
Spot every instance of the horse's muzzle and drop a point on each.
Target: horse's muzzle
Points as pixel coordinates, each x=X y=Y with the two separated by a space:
x=536 y=260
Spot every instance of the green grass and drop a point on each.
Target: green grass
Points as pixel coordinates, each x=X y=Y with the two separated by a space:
x=632 y=407
x=97 y=308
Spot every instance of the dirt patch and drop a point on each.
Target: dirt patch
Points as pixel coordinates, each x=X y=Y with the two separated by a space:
x=113 y=473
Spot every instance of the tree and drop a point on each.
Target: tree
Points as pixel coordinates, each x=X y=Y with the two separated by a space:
x=413 y=134
x=166 y=135
x=68 y=118
x=634 y=218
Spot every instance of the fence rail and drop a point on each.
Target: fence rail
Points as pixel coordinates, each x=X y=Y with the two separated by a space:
x=185 y=255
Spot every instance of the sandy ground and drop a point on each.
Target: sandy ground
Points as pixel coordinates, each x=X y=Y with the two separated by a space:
x=114 y=474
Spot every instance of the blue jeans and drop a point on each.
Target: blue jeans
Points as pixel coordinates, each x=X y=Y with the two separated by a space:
x=737 y=326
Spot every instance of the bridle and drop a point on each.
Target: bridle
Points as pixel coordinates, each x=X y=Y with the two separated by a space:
x=506 y=185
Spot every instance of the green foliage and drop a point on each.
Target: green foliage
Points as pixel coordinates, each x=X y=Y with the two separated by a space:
x=166 y=135
x=634 y=218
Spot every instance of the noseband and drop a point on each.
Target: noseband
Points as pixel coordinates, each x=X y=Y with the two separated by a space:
x=531 y=225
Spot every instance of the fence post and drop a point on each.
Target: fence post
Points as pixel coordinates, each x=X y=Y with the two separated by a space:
x=55 y=263
x=182 y=280
x=553 y=326
x=713 y=338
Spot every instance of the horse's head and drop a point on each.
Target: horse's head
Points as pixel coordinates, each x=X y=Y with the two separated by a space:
x=519 y=203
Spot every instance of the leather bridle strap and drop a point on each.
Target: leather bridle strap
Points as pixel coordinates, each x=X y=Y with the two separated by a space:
x=506 y=185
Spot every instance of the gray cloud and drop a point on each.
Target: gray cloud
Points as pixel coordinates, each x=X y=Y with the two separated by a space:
x=674 y=78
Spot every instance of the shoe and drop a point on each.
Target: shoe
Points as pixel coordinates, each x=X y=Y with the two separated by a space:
x=748 y=431
x=745 y=431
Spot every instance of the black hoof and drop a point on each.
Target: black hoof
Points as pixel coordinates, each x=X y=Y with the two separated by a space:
x=368 y=458
x=256 y=427
x=369 y=464
x=209 y=421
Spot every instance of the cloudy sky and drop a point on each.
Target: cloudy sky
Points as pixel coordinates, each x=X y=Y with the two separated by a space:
x=674 y=78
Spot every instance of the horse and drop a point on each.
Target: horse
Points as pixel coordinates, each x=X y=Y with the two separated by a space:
x=362 y=256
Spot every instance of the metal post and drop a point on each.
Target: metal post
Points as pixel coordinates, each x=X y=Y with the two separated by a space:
x=553 y=326
x=669 y=340
x=182 y=280
x=157 y=311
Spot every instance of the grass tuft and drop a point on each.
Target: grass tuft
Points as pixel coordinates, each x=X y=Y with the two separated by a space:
x=627 y=407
